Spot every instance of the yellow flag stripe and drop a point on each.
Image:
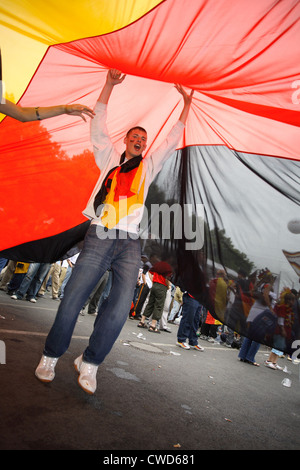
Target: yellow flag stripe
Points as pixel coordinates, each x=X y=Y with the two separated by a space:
x=27 y=29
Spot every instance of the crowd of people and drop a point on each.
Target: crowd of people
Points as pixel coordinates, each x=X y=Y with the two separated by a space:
x=30 y=280
x=158 y=303
x=250 y=305
x=246 y=312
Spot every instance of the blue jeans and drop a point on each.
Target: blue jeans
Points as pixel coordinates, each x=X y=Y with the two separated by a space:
x=248 y=350
x=189 y=323
x=99 y=253
x=33 y=280
x=174 y=311
x=67 y=277
x=107 y=288
x=3 y=263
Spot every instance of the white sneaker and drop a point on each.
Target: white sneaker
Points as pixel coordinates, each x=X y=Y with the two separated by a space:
x=183 y=345
x=45 y=370
x=197 y=347
x=33 y=300
x=270 y=365
x=87 y=378
x=77 y=363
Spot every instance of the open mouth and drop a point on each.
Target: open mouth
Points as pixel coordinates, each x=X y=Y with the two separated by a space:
x=137 y=146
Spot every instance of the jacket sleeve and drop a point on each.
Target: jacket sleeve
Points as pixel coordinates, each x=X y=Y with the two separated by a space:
x=104 y=151
x=165 y=150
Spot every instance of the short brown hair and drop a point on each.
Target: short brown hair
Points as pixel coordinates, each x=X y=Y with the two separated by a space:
x=136 y=127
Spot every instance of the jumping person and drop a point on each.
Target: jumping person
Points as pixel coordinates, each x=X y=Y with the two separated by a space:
x=115 y=209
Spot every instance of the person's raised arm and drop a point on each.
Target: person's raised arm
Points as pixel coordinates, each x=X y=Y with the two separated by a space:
x=114 y=77
x=104 y=151
x=168 y=146
x=25 y=114
x=187 y=98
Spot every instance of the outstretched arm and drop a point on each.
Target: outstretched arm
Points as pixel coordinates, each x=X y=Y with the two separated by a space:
x=187 y=98
x=105 y=154
x=25 y=114
x=114 y=77
x=167 y=148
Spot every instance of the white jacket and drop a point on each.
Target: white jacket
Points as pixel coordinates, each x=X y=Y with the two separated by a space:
x=107 y=157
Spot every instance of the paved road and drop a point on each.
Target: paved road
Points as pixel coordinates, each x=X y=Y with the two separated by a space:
x=151 y=395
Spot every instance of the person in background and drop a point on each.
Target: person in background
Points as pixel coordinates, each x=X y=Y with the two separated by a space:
x=189 y=323
x=26 y=114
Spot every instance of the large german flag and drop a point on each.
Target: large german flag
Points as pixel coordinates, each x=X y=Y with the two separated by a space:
x=239 y=155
